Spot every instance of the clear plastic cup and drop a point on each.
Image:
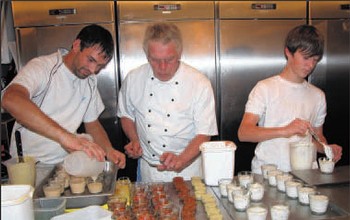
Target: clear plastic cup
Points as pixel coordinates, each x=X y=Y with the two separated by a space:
x=241 y=201
x=292 y=188
x=304 y=192
x=266 y=167
x=257 y=212
x=223 y=186
x=326 y=165
x=281 y=181
x=245 y=178
x=271 y=175
x=256 y=191
x=318 y=203
x=279 y=210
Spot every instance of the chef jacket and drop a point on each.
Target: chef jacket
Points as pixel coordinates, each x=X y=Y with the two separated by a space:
x=168 y=115
x=278 y=102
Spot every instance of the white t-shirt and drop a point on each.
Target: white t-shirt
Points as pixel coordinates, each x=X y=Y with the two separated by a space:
x=62 y=96
x=277 y=102
x=168 y=115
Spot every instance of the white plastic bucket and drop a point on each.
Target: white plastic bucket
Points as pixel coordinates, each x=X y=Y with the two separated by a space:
x=218 y=161
x=17 y=202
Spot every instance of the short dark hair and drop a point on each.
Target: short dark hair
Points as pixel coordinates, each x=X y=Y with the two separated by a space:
x=92 y=35
x=306 y=38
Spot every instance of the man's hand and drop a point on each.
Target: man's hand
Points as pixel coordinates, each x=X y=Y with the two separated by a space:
x=171 y=162
x=133 y=149
x=116 y=157
x=72 y=142
x=297 y=127
x=337 y=152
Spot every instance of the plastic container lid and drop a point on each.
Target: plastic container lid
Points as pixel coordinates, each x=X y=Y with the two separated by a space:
x=15 y=194
x=88 y=213
x=217 y=146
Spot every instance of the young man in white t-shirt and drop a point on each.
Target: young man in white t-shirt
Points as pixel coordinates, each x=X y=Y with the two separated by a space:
x=283 y=108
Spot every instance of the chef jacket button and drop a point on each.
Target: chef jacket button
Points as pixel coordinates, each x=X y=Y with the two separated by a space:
x=168 y=115
x=149 y=142
x=165 y=130
x=149 y=126
x=164 y=145
x=152 y=78
x=149 y=110
x=153 y=155
x=176 y=83
x=151 y=94
x=172 y=100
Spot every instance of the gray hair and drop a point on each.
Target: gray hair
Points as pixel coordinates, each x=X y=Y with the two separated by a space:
x=164 y=33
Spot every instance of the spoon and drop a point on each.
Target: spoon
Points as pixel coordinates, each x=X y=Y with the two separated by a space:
x=19 y=147
x=327 y=149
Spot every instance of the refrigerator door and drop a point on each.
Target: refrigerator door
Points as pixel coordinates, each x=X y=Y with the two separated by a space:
x=332 y=18
x=251 y=49
x=39 y=13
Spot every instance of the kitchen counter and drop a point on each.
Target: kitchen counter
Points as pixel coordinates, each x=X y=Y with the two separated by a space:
x=339 y=206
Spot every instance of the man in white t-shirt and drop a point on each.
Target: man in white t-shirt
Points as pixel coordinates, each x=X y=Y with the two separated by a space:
x=283 y=108
x=167 y=109
x=52 y=95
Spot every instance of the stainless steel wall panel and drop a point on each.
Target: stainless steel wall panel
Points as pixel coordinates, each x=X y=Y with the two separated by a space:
x=169 y=10
x=199 y=46
x=262 y=9
x=329 y=9
x=37 y=13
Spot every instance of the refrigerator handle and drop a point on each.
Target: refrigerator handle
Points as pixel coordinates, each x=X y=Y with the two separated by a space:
x=264 y=6
x=167 y=7
x=345 y=7
x=63 y=11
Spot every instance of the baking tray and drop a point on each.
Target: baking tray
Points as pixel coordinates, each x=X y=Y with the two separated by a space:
x=86 y=198
x=314 y=177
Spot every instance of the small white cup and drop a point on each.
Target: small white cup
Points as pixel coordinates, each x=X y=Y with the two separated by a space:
x=257 y=212
x=245 y=178
x=318 y=203
x=326 y=165
x=223 y=186
x=256 y=191
x=279 y=211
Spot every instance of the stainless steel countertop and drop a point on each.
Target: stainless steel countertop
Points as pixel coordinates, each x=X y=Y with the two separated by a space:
x=339 y=196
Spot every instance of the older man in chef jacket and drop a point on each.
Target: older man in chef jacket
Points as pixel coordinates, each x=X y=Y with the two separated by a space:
x=167 y=109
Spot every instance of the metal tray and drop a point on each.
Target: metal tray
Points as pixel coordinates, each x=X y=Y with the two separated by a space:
x=340 y=175
x=85 y=199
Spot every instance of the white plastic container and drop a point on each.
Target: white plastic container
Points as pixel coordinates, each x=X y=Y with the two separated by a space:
x=218 y=161
x=88 y=213
x=17 y=202
x=80 y=164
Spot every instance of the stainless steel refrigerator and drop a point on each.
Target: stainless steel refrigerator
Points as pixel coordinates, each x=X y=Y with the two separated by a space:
x=251 y=44
x=42 y=27
x=332 y=18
